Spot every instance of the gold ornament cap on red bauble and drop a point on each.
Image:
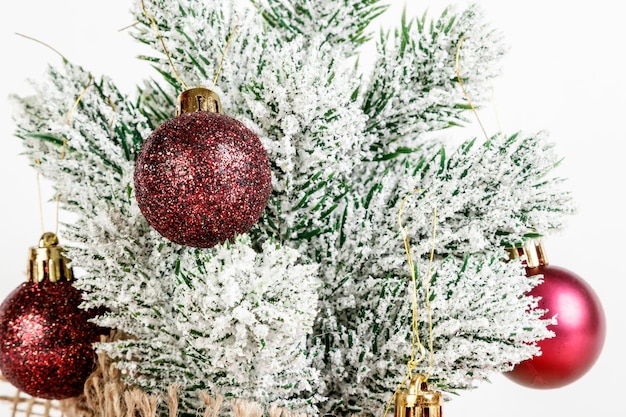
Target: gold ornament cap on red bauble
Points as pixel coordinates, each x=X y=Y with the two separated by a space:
x=198 y=99
x=48 y=262
x=534 y=253
x=418 y=401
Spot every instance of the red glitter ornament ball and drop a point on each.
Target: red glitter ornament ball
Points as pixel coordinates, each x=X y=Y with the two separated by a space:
x=45 y=339
x=201 y=178
x=579 y=332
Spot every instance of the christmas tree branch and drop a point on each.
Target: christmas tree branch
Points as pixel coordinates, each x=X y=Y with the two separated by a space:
x=343 y=25
x=313 y=302
x=368 y=341
x=414 y=87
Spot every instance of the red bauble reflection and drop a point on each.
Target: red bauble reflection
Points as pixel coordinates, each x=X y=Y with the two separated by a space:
x=201 y=178
x=46 y=340
x=579 y=332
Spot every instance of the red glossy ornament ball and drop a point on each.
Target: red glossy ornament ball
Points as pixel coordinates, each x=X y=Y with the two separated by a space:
x=579 y=332
x=201 y=178
x=46 y=340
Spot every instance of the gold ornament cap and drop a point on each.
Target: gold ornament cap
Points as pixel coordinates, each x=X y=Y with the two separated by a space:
x=47 y=261
x=198 y=99
x=418 y=401
x=533 y=252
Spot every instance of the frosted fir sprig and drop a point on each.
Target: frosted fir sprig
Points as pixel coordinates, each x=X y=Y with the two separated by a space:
x=157 y=102
x=201 y=43
x=490 y=194
x=487 y=194
x=72 y=126
x=343 y=25
x=190 y=33
x=481 y=325
x=236 y=325
x=312 y=130
x=414 y=85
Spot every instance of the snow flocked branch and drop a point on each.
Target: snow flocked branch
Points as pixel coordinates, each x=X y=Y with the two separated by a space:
x=311 y=309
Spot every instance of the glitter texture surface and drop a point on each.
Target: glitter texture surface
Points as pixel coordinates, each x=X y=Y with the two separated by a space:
x=46 y=340
x=201 y=178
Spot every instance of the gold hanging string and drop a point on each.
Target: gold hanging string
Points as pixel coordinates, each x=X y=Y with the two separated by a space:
x=63 y=147
x=56 y=219
x=415 y=338
x=68 y=118
x=128 y=26
x=458 y=77
x=427 y=290
x=39 y=199
x=230 y=37
x=80 y=96
x=44 y=44
x=416 y=344
x=155 y=28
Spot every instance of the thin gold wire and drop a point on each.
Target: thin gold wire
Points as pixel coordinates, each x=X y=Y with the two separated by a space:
x=44 y=44
x=416 y=344
x=70 y=113
x=427 y=290
x=415 y=339
x=64 y=144
x=457 y=68
x=62 y=156
x=230 y=37
x=155 y=28
x=39 y=199
x=68 y=119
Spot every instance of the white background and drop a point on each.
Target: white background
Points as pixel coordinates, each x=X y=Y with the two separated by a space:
x=564 y=74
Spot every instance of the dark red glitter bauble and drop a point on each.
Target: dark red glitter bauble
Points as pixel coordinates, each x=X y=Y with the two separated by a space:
x=579 y=332
x=46 y=340
x=201 y=178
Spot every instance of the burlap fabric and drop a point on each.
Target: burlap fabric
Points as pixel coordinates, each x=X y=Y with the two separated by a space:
x=106 y=395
